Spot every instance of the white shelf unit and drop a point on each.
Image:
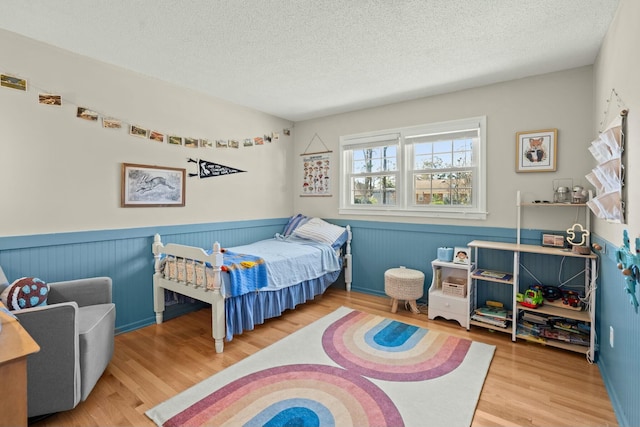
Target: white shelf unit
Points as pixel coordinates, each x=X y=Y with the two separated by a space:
x=475 y=277
x=450 y=307
x=590 y=274
x=520 y=204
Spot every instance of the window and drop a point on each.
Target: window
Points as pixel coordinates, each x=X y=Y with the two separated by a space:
x=429 y=170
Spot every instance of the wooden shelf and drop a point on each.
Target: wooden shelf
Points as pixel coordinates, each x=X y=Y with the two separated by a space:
x=452 y=265
x=532 y=249
x=567 y=205
x=555 y=343
x=507 y=330
x=477 y=276
x=582 y=316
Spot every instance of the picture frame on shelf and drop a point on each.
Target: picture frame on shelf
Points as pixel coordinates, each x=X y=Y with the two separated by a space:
x=462 y=255
x=553 y=239
x=536 y=151
x=152 y=186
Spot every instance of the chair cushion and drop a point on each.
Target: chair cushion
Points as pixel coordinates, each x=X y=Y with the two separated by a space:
x=96 y=324
x=25 y=292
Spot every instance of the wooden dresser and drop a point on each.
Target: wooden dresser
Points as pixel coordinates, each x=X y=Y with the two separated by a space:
x=15 y=345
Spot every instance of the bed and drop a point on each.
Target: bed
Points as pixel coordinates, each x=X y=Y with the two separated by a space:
x=248 y=284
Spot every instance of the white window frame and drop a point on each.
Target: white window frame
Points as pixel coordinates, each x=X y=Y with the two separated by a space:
x=405 y=205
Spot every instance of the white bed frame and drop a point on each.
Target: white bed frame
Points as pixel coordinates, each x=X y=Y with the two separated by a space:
x=209 y=290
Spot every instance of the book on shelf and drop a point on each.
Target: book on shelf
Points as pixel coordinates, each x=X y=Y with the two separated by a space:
x=497 y=312
x=571 y=326
x=490 y=320
x=492 y=315
x=535 y=318
x=492 y=274
x=438 y=278
x=530 y=332
x=543 y=333
x=569 y=337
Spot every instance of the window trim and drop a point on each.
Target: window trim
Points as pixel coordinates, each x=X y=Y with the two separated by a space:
x=405 y=207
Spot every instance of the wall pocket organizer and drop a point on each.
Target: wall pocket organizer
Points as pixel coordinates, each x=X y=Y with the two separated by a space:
x=608 y=176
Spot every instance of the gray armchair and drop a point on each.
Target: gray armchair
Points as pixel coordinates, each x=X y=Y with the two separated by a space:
x=75 y=332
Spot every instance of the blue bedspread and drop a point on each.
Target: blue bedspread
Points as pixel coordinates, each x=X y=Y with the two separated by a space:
x=247 y=273
x=292 y=260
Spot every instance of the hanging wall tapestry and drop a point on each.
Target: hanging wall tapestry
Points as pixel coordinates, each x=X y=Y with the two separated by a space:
x=316 y=177
x=208 y=169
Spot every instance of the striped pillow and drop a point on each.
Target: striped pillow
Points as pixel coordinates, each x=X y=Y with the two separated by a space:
x=320 y=231
x=294 y=222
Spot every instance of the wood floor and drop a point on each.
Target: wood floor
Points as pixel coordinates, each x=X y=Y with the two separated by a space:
x=527 y=384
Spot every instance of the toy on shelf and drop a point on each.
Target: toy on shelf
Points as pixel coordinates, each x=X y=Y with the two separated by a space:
x=571 y=298
x=549 y=293
x=578 y=238
x=532 y=298
x=629 y=263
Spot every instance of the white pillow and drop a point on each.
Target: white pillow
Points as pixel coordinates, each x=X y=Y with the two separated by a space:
x=320 y=231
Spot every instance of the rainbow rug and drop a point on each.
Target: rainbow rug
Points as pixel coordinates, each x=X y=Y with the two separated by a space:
x=347 y=369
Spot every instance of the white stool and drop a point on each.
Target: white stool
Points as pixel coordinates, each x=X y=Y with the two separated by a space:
x=404 y=284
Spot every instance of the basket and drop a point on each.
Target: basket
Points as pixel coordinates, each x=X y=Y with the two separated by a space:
x=454 y=286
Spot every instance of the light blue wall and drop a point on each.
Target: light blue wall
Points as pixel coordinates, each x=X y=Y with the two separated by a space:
x=620 y=365
x=615 y=69
x=378 y=246
x=126 y=256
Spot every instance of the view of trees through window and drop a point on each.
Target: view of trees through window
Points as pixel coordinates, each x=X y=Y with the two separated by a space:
x=435 y=169
x=440 y=176
x=441 y=173
x=375 y=185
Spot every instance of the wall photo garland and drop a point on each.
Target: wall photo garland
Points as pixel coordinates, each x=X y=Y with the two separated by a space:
x=142 y=132
x=143 y=185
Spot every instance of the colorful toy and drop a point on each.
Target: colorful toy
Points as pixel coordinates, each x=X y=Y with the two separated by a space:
x=551 y=293
x=571 y=298
x=532 y=298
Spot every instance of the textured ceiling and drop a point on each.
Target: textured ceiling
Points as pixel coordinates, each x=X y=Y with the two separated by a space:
x=301 y=59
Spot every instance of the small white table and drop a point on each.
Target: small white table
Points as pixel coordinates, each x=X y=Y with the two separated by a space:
x=445 y=304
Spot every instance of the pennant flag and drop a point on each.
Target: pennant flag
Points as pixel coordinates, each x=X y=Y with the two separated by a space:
x=208 y=169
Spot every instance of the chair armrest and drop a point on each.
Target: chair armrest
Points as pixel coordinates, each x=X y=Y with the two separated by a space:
x=90 y=291
x=53 y=373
